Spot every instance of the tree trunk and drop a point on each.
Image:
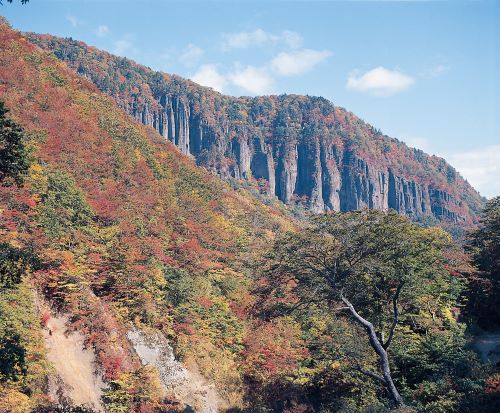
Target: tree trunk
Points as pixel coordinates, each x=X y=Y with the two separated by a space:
x=386 y=372
x=386 y=377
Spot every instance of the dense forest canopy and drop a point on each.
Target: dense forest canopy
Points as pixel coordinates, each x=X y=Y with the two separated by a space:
x=398 y=283
x=105 y=223
x=483 y=245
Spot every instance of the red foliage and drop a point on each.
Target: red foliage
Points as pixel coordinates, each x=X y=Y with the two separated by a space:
x=185 y=328
x=44 y=318
x=205 y=302
x=112 y=365
x=492 y=385
x=273 y=347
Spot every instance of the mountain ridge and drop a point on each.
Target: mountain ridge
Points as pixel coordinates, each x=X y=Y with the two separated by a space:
x=302 y=149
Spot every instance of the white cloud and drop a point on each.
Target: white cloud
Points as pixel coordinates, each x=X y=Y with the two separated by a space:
x=259 y=37
x=74 y=21
x=253 y=79
x=122 y=46
x=191 y=55
x=380 y=82
x=243 y=40
x=298 y=62
x=102 y=30
x=481 y=167
x=208 y=75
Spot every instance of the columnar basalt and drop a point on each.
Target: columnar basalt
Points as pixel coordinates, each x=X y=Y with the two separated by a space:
x=323 y=176
x=305 y=148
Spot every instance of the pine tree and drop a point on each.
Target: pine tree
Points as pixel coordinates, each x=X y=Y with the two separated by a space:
x=14 y=158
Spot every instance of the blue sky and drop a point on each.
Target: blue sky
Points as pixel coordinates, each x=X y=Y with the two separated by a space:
x=425 y=72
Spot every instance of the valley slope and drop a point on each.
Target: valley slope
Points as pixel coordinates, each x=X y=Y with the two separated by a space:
x=120 y=230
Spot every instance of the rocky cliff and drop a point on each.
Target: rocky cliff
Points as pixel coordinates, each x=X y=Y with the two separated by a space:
x=303 y=149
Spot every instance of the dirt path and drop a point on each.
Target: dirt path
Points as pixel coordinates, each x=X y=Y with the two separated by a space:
x=76 y=382
x=187 y=385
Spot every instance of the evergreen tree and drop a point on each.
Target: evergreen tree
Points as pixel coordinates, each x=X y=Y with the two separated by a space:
x=14 y=159
x=484 y=246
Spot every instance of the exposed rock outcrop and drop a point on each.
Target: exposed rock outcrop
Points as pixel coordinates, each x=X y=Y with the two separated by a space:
x=188 y=386
x=306 y=149
x=76 y=381
x=324 y=177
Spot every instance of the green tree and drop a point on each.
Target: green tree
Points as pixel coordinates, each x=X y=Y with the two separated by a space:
x=484 y=247
x=14 y=159
x=63 y=209
x=377 y=269
x=12 y=356
x=14 y=264
x=118 y=397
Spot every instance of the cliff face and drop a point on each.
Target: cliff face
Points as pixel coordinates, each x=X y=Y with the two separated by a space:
x=325 y=176
x=304 y=149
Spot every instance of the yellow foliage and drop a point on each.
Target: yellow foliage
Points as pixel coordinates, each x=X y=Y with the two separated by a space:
x=335 y=365
x=13 y=401
x=37 y=178
x=137 y=154
x=158 y=277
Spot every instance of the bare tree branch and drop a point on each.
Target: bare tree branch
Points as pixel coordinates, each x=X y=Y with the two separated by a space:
x=395 y=321
x=371 y=374
x=380 y=350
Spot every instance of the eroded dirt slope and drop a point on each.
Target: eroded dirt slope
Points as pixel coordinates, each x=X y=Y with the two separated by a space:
x=76 y=381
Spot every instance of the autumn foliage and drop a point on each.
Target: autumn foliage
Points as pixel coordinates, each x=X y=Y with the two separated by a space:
x=115 y=228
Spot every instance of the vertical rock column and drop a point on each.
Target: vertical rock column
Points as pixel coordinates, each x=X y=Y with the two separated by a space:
x=310 y=175
x=262 y=163
x=331 y=180
x=181 y=116
x=286 y=172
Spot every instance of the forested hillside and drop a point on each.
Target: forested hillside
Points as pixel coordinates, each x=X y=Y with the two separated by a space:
x=185 y=292
x=301 y=148
x=121 y=228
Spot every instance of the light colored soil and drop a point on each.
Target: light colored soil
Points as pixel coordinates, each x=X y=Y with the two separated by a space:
x=187 y=385
x=76 y=382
